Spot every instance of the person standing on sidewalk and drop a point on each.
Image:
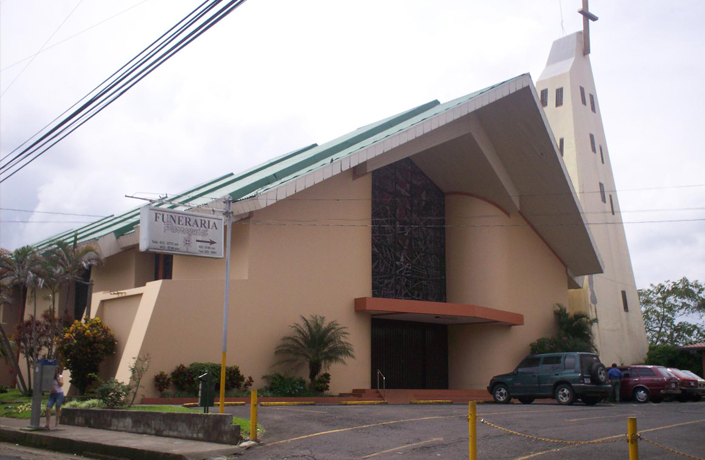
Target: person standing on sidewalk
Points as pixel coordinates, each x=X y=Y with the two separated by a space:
x=615 y=376
x=55 y=397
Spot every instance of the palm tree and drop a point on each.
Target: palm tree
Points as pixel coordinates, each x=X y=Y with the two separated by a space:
x=16 y=267
x=73 y=260
x=53 y=278
x=316 y=343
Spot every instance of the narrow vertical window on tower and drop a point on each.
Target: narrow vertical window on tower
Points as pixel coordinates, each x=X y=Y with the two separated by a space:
x=602 y=156
x=592 y=103
x=559 y=97
x=561 y=144
x=624 y=301
x=544 y=97
x=612 y=205
x=602 y=192
x=582 y=96
x=592 y=143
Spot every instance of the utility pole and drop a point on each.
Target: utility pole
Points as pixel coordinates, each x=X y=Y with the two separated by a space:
x=229 y=218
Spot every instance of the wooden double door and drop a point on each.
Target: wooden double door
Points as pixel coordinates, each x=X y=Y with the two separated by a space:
x=411 y=355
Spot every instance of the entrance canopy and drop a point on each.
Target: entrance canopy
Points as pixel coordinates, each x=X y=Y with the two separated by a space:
x=435 y=312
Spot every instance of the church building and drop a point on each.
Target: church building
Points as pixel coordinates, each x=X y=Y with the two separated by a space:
x=442 y=238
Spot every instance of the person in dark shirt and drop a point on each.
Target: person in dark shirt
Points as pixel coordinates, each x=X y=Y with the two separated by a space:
x=615 y=376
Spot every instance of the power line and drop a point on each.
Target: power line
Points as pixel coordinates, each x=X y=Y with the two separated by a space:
x=51 y=212
x=186 y=31
x=40 y=49
x=73 y=36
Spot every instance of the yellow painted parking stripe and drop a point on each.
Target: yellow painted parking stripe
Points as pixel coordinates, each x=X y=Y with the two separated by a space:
x=613 y=437
x=599 y=418
x=402 y=447
x=361 y=427
x=284 y=408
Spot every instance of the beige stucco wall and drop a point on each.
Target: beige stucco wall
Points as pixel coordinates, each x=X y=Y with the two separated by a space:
x=498 y=262
x=117 y=273
x=301 y=257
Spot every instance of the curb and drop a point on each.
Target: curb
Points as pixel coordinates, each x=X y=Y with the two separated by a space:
x=361 y=403
x=292 y=403
x=90 y=449
x=430 y=401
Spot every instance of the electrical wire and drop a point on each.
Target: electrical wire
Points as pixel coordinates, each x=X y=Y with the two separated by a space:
x=40 y=49
x=105 y=96
x=31 y=56
x=52 y=212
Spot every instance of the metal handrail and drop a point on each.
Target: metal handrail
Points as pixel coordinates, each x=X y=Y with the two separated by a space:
x=384 y=383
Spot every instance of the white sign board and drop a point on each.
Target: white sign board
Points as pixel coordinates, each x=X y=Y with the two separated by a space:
x=178 y=232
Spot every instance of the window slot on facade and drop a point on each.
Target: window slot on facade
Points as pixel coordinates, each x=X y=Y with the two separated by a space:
x=612 y=205
x=544 y=97
x=582 y=96
x=592 y=103
x=624 y=301
x=561 y=144
x=592 y=143
x=163 y=264
x=559 y=97
x=602 y=192
x=602 y=156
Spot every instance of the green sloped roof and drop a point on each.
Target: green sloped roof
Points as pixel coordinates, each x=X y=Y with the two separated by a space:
x=273 y=173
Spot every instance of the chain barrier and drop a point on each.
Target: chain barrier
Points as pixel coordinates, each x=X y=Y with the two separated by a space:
x=693 y=457
x=621 y=438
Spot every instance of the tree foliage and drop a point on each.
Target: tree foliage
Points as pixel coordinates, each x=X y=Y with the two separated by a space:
x=317 y=344
x=574 y=334
x=667 y=308
x=83 y=346
x=73 y=260
x=17 y=269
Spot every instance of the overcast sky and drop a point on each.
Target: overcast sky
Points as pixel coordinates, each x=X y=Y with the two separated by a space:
x=276 y=75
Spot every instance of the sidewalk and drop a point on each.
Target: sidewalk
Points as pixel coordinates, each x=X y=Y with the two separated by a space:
x=94 y=443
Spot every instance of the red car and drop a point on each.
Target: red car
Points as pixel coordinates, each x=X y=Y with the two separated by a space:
x=644 y=383
x=690 y=385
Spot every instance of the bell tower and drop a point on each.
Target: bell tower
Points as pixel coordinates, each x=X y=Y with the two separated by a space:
x=569 y=98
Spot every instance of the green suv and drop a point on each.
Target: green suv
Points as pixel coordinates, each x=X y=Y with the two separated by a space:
x=564 y=376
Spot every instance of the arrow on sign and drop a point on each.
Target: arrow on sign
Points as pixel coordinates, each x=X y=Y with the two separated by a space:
x=211 y=242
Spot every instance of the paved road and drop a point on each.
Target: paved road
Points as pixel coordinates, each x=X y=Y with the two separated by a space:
x=15 y=452
x=441 y=431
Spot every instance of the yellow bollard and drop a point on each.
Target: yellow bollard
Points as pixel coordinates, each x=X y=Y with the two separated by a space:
x=253 y=415
x=472 y=427
x=633 y=440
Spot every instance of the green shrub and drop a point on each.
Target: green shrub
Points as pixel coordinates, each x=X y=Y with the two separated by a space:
x=113 y=393
x=284 y=385
x=83 y=346
x=182 y=379
x=670 y=356
x=162 y=381
x=322 y=383
x=3 y=389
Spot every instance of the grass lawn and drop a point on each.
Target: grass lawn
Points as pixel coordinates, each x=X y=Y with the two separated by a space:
x=12 y=399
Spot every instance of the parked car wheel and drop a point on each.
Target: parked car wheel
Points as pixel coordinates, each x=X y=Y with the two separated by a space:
x=501 y=395
x=696 y=398
x=656 y=399
x=590 y=400
x=598 y=373
x=565 y=394
x=526 y=399
x=642 y=395
x=669 y=398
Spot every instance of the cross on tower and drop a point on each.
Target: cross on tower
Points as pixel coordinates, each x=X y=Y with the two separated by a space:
x=587 y=17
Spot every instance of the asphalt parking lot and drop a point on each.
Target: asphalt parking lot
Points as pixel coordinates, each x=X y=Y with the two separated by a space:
x=441 y=431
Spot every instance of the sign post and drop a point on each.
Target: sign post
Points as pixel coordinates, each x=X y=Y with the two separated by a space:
x=229 y=217
x=191 y=234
